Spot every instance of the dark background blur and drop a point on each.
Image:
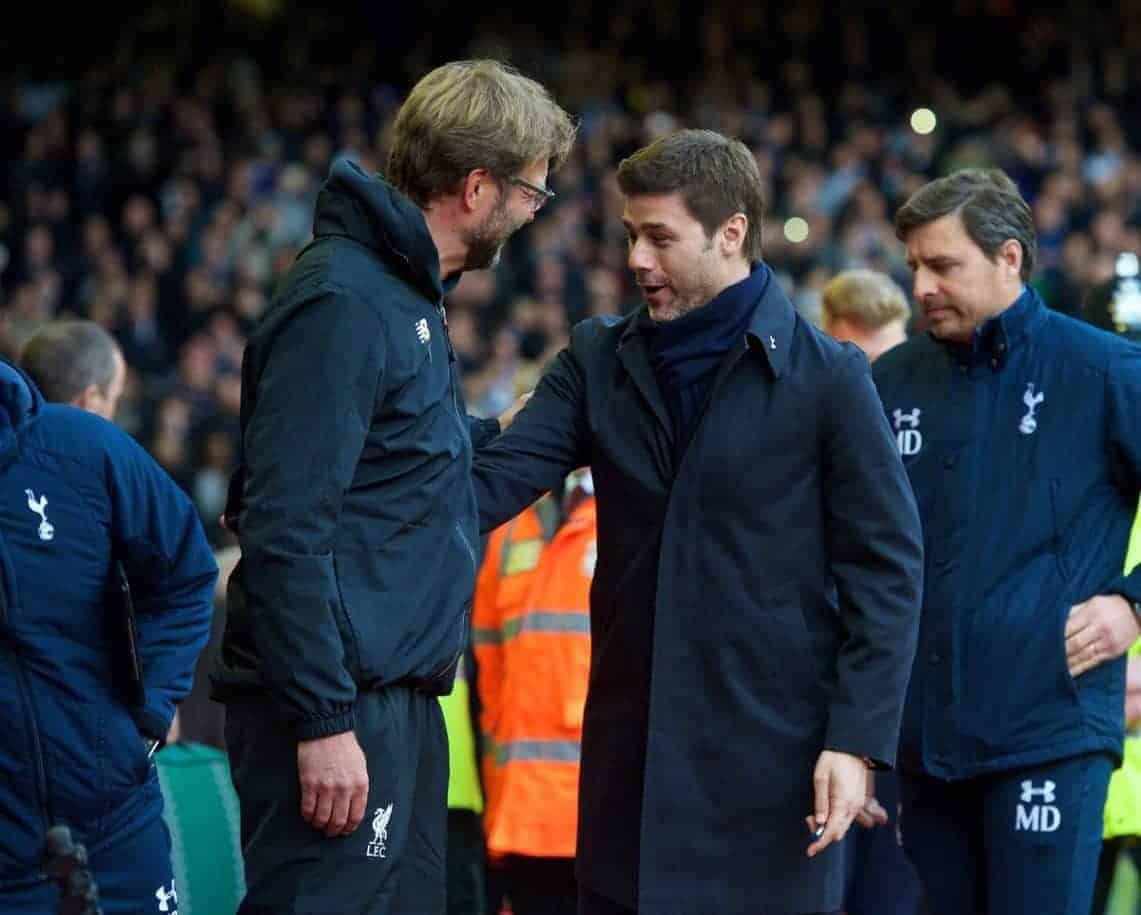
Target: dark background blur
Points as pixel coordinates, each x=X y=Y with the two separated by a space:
x=161 y=160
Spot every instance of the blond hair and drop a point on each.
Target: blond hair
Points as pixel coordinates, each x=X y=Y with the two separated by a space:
x=867 y=298
x=472 y=114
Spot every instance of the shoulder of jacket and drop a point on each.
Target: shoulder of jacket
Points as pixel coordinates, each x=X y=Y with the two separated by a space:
x=899 y=361
x=1094 y=348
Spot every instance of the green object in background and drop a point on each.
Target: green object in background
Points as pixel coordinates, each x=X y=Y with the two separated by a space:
x=201 y=812
x=1125 y=796
x=463 y=774
x=1125 y=895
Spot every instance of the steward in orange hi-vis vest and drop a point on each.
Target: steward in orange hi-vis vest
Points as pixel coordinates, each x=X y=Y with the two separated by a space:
x=532 y=641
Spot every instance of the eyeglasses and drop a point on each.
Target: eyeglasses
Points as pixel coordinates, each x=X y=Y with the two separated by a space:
x=536 y=196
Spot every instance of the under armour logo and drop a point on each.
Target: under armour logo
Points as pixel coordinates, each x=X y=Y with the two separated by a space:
x=1046 y=792
x=1041 y=817
x=909 y=439
x=39 y=506
x=906 y=419
x=167 y=901
x=423 y=333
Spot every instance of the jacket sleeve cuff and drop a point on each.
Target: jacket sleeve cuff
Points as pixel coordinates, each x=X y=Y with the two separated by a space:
x=151 y=723
x=1128 y=586
x=483 y=431
x=876 y=752
x=315 y=728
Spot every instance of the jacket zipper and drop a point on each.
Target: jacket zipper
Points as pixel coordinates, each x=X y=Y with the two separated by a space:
x=22 y=686
x=467 y=546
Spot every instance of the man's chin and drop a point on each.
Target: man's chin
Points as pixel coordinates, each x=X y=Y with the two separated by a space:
x=483 y=260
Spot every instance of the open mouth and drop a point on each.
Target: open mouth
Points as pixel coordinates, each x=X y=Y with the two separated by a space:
x=652 y=290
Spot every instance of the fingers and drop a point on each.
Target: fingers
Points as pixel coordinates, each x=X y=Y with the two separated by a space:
x=324 y=811
x=357 y=806
x=339 y=815
x=820 y=789
x=875 y=810
x=308 y=800
x=836 y=827
x=1076 y=621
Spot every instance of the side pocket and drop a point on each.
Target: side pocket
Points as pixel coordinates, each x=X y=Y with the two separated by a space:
x=1054 y=487
x=349 y=635
x=1069 y=683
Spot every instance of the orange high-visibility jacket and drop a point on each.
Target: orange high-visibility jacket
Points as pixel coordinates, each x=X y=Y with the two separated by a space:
x=510 y=563
x=534 y=688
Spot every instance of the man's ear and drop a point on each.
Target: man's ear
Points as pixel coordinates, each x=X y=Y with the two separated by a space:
x=88 y=398
x=1010 y=256
x=733 y=234
x=478 y=187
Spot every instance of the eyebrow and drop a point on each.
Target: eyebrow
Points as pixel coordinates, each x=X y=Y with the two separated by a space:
x=648 y=226
x=934 y=260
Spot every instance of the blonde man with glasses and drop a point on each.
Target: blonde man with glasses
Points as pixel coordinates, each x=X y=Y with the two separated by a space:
x=355 y=509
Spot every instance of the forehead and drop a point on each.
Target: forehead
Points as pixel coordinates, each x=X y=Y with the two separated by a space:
x=669 y=210
x=535 y=171
x=945 y=235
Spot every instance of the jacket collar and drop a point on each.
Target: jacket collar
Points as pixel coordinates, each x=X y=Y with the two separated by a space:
x=769 y=330
x=996 y=337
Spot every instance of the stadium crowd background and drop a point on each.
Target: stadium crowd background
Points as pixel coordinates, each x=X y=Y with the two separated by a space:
x=160 y=167
x=164 y=184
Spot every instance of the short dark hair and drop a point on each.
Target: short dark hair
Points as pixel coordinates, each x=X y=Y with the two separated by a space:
x=989 y=205
x=64 y=358
x=716 y=176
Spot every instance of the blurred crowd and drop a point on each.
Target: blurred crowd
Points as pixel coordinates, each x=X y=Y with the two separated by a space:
x=162 y=195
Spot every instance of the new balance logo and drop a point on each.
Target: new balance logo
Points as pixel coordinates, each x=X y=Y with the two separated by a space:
x=423 y=332
x=1040 y=817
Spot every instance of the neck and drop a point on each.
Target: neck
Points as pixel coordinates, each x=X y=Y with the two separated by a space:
x=1009 y=295
x=737 y=272
x=450 y=247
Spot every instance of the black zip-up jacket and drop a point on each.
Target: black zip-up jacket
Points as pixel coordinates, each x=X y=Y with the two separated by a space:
x=355 y=510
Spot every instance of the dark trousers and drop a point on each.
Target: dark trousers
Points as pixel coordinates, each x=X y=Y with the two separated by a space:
x=881 y=879
x=591 y=903
x=540 y=886
x=393 y=866
x=466 y=882
x=1009 y=843
x=1111 y=851
x=129 y=860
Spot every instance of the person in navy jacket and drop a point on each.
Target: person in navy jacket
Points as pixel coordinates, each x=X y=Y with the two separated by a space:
x=84 y=701
x=1021 y=432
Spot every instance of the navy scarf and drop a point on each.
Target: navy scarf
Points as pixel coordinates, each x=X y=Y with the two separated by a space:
x=685 y=353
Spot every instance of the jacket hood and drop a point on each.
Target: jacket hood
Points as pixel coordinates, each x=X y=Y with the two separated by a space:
x=20 y=400
x=371 y=211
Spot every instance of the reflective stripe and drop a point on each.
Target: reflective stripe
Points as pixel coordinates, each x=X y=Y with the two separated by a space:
x=547 y=621
x=483 y=635
x=538 y=751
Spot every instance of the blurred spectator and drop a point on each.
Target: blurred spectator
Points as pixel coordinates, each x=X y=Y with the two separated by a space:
x=865 y=308
x=151 y=198
x=77 y=363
